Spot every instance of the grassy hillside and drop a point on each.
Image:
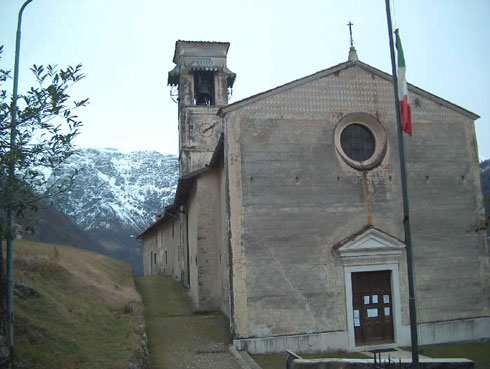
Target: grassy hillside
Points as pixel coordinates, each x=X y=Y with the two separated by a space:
x=74 y=309
x=52 y=226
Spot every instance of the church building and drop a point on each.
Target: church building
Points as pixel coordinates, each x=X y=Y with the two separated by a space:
x=288 y=216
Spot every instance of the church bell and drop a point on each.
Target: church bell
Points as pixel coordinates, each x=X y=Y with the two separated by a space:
x=204 y=88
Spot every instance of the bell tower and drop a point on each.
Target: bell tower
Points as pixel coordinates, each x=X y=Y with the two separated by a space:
x=203 y=80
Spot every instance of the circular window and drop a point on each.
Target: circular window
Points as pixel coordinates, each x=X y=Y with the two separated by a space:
x=360 y=140
x=357 y=142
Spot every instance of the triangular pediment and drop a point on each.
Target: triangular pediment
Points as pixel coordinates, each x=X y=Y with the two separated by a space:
x=335 y=70
x=370 y=242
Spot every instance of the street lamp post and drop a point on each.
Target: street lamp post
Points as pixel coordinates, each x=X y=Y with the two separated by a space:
x=11 y=180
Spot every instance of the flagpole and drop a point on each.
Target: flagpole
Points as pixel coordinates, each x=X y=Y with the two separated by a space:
x=406 y=211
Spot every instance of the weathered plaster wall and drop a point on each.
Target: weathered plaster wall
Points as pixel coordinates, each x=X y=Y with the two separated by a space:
x=292 y=198
x=200 y=129
x=185 y=261
x=224 y=255
x=238 y=275
x=176 y=254
x=208 y=260
x=149 y=246
x=209 y=241
x=192 y=229
x=165 y=237
x=170 y=242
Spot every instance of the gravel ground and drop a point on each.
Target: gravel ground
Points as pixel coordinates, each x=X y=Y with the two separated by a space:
x=177 y=337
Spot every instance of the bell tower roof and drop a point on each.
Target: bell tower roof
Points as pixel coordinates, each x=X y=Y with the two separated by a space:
x=191 y=56
x=200 y=48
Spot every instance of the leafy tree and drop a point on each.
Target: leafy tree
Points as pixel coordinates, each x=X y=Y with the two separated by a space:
x=45 y=126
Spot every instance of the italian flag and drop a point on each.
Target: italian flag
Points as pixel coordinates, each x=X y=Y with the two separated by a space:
x=403 y=89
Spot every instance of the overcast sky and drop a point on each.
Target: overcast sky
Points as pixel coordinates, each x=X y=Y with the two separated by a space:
x=126 y=48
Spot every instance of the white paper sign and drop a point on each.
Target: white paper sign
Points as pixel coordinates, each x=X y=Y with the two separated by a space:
x=375 y=299
x=357 y=322
x=366 y=300
x=387 y=311
x=386 y=299
x=372 y=313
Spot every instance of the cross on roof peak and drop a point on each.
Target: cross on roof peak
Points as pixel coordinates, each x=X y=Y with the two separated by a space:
x=350 y=24
x=352 y=50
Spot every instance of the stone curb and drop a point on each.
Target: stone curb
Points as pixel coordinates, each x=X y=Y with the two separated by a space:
x=244 y=359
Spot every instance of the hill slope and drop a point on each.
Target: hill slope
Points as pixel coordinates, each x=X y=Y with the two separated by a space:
x=52 y=226
x=74 y=309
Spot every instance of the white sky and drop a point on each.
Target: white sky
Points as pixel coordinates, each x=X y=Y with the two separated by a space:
x=126 y=48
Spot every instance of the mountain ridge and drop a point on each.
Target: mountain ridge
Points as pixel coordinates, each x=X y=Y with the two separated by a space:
x=115 y=196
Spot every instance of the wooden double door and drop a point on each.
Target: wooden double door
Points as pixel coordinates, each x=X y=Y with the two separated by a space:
x=372 y=307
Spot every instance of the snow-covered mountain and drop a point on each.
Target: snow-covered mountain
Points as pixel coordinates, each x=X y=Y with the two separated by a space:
x=116 y=195
x=116 y=187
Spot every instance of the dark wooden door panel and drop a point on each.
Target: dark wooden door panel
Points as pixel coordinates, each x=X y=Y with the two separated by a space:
x=373 y=309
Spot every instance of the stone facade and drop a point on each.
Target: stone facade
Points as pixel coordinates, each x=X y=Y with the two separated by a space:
x=276 y=217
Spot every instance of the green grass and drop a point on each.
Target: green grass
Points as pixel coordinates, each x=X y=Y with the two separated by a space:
x=479 y=352
x=162 y=296
x=279 y=361
x=87 y=314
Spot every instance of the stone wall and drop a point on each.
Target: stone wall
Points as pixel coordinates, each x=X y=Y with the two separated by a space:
x=370 y=364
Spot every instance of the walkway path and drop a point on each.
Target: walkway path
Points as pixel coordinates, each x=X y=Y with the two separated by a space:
x=178 y=338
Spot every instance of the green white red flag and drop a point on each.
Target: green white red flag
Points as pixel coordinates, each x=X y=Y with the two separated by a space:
x=403 y=88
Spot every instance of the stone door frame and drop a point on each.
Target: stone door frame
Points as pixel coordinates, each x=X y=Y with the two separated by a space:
x=371 y=250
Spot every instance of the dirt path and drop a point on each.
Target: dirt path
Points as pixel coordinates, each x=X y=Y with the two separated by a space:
x=177 y=337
